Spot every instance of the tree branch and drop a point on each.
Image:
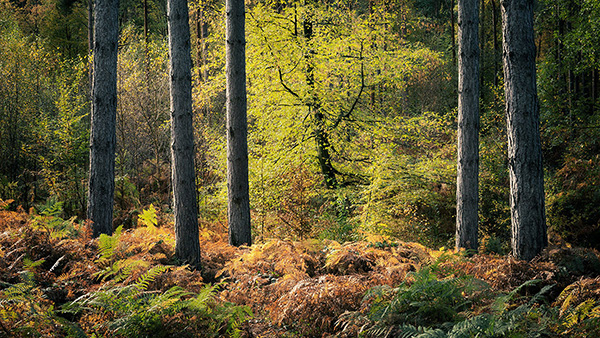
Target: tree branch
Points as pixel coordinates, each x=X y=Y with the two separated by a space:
x=345 y=115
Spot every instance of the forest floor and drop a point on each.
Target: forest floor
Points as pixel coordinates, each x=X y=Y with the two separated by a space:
x=56 y=281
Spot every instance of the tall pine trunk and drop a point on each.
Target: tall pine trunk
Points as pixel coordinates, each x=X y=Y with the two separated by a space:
x=238 y=211
x=187 y=246
x=467 y=182
x=101 y=185
x=523 y=128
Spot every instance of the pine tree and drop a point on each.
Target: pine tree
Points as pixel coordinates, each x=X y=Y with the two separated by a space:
x=467 y=198
x=523 y=128
x=101 y=186
x=187 y=245
x=238 y=213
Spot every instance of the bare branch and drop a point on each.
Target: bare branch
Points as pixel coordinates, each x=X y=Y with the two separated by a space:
x=345 y=115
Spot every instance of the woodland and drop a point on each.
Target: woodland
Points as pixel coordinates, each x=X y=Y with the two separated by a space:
x=353 y=206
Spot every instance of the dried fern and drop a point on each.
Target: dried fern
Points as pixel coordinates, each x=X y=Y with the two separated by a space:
x=25 y=312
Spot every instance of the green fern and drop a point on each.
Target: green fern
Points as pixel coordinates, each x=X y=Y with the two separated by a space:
x=108 y=244
x=406 y=311
x=24 y=311
x=52 y=222
x=144 y=281
x=478 y=326
x=427 y=301
x=120 y=270
x=427 y=307
x=148 y=218
x=501 y=303
x=136 y=311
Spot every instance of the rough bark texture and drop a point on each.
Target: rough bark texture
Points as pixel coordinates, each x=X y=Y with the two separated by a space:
x=187 y=246
x=467 y=182
x=101 y=185
x=238 y=211
x=524 y=148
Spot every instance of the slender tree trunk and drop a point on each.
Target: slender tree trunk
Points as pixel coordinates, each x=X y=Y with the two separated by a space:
x=187 y=246
x=201 y=36
x=314 y=106
x=146 y=42
x=467 y=182
x=482 y=56
x=497 y=51
x=594 y=89
x=90 y=39
x=452 y=33
x=101 y=185
x=238 y=211
x=523 y=128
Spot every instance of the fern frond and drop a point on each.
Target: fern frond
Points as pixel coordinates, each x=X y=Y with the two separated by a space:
x=16 y=293
x=432 y=333
x=540 y=295
x=168 y=300
x=408 y=331
x=579 y=313
x=201 y=301
x=144 y=281
x=148 y=218
x=478 y=326
x=501 y=303
x=121 y=270
x=107 y=244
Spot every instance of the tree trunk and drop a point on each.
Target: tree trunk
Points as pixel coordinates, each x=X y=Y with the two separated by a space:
x=314 y=106
x=497 y=51
x=90 y=40
x=187 y=246
x=201 y=36
x=523 y=128
x=238 y=211
x=452 y=21
x=101 y=185
x=594 y=89
x=467 y=182
x=482 y=56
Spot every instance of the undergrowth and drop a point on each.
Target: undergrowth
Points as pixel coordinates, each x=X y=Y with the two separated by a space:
x=56 y=281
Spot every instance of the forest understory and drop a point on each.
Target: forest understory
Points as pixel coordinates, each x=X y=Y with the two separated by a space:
x=355 y=125
x=59 y=282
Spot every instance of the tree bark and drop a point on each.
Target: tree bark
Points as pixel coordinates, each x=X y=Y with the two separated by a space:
x=467 y=182
x=238 y=211
x=523 y=128
x=187 y=246
x=101 y=185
